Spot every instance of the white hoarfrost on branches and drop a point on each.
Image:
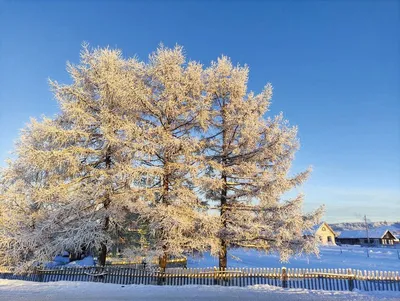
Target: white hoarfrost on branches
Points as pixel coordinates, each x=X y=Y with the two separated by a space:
x=173 y=111
x=68 y=170
x=142 y=154
x=249 y=158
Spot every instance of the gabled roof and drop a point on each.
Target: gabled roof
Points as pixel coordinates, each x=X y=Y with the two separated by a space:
x=316 y=227
x=372 y=233
x=393 y=229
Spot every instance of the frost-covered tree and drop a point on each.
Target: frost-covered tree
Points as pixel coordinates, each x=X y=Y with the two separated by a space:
x=152 y=145
x=173 y=109
x=123 y=145
x=40 y=216
x=18 y=211
x=83 y=193
x=249 y=157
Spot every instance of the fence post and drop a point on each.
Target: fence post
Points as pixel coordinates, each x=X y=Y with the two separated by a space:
x=161 y=278
x=284 y=278
x=36 y=272
x=40 y=275
x=350 y=280
x=216 y=276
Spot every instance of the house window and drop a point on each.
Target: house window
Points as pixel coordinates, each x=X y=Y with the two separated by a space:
x=329 y=238
x=323 y=229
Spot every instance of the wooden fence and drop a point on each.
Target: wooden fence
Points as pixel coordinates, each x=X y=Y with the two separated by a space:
x=140 y=264
x=314 y=279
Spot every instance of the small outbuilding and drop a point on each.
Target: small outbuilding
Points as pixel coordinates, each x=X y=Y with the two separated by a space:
x=374 y=237
x=323 y=232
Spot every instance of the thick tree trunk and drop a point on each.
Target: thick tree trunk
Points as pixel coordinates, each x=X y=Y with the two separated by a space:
x=103 y=246
x=106 y=203
x=103 y=254
x=165 y=186
x=223 y=261
x=162 y=261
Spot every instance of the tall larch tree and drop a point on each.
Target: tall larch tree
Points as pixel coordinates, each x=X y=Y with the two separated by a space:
x=41 y=214
x=84 y=195
x=174 y=109
x=124 y=145
x=249 y=159
x=19 y=209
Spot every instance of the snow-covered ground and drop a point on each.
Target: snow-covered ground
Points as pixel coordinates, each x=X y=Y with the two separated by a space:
x=332 y=257
x=16 y=290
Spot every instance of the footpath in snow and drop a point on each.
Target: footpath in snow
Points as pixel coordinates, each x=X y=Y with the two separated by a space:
x=16 y=290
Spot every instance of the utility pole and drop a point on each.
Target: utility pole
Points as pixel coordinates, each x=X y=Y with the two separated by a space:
x=366 y=228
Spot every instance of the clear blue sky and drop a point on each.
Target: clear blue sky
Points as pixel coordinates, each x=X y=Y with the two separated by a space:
x=334 y=66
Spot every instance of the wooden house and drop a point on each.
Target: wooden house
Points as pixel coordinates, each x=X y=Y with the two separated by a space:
x=375 y=237
x=323 y=232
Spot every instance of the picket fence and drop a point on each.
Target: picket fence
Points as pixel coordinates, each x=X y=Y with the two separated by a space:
x=314 y=279
x=140 y=264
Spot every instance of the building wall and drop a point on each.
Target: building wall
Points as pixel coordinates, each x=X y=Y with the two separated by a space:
x=364 y=241
x=348 y=241
x=325 y=235
x=372 y=241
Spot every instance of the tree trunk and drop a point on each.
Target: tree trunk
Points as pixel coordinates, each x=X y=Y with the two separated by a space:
x=103 y=254
x=73 y=256
x=223 y=261
x=162 y=261
x=106 y=203
x=103 y=246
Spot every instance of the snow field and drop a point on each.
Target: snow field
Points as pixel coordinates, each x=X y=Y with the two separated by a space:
x=331 y=257
x=16 y=290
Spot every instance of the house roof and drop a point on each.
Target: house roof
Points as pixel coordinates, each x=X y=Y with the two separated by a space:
x=393 y=229
x=316 y=227
x=372 y=233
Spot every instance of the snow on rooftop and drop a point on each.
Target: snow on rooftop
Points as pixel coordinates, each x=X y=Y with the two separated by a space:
x=372 y=233
x=314 y=229
x=393 y=229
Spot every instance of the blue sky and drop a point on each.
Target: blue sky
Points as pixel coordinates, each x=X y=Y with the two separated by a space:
x=334 y=67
